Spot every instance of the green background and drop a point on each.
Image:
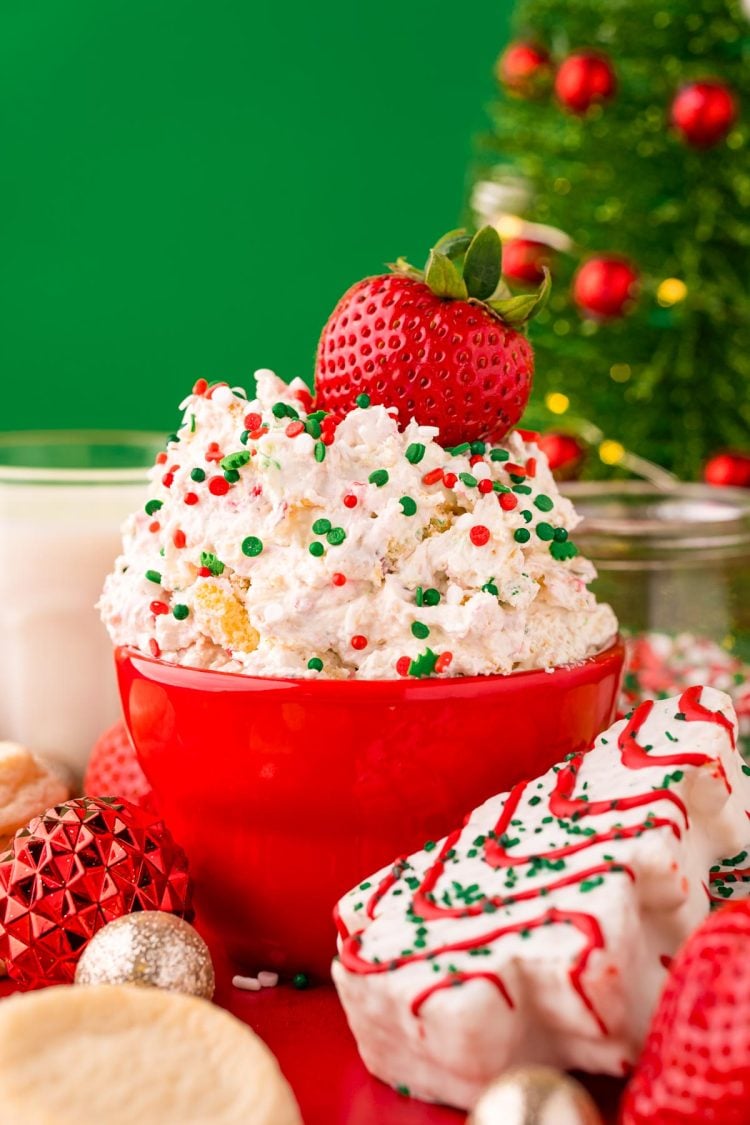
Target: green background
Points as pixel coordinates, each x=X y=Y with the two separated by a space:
x=187 y=187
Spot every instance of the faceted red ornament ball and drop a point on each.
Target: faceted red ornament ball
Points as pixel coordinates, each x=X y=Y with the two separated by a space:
x=704 y=112
x=524 y=68
x=524 y=260
x=695 y=1066
x=73 y=870
x=731 y=468
x=446 y=363
x=564 y=452
x=583 y=79
x=114 y=770
x=605 y=288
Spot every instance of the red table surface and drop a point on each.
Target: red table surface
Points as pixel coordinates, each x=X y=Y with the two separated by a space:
x=308 y=1033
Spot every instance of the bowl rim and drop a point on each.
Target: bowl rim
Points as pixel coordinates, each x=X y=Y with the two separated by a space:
x=180 y=675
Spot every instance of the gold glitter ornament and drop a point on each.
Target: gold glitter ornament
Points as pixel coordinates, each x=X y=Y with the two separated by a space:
x=149 y=948
x=535 y=1095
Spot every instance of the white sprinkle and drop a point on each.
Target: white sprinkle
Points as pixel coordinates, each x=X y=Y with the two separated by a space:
x=247 y=984
x=268 y=980
x=223 y=396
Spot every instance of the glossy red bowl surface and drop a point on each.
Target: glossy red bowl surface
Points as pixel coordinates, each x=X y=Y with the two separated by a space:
x=285 y=793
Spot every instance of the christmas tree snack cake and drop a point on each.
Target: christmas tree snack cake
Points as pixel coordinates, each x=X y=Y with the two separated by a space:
x=397 y=526
x=542 y=929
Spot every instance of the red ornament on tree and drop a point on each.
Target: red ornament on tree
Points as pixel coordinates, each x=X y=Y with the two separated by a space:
x=730 y=468
x=704 y=112
x=605 y=287
x=73 y=870
x=583 y=79
x=524 y=69
x=564 y=452
x=524 y=260
x=114 y=770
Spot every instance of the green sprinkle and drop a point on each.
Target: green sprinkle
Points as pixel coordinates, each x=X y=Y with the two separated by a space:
x=312 y=427
x=300 y=981
x=379 y=477
x=362 y=401
x=244 y=436
x=198 y=475
x=154 y=576
x=468 y=480
x=420 y=631
x=415 y=452
x=522 y=535
x=499 y=455
x=491 y=588
x=431 y=596
x=236 y=460
x=528 y=516
x=535 y=800
x=544 y=503
x=478 y=448
x=320 y=527
x=408 y=506
x=424 y=664
x=173 y=439
x=282 y=410
x=252 y=546
x=192 y=423
x=316 y=549
x=212 y=563
x=320 y=451
x=562 y=551
x=180 y=612
x=522 y=489
x=419 y=596
x=590 y=884
x=560 y=534
x=545 y=531
x=403 y=1091
x=315 y=664
x=153 y=506
x=457 y=450
x=231 y=475
x=336 y=536
x=430 y=846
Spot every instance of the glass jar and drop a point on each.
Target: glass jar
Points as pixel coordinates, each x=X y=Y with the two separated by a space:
x=675 y=567
x=63 y=497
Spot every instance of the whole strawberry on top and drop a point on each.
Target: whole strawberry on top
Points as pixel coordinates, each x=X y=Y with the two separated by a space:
x=695 y=1066
x=445 y=345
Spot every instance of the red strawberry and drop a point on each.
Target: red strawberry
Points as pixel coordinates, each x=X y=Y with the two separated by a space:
x=695 y=1066
x=442 y=345
x=114 y=771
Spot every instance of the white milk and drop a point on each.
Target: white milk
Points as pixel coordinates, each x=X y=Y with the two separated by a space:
x=57 y=544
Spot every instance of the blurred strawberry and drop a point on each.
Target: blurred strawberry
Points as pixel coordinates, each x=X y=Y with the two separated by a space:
x=444 y=345
x=114 y=771
x=695 y=1066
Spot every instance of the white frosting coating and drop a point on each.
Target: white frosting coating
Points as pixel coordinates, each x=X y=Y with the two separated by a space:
x=541 y=930
x=271 y=612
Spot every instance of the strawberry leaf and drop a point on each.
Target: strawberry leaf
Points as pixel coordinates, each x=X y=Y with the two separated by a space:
x=516 y=311
x=443 y=277
x=482 y=263
x=453 y=244
x=406 y=268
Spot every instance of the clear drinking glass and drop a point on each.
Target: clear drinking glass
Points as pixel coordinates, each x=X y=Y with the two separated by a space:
x=63 y=498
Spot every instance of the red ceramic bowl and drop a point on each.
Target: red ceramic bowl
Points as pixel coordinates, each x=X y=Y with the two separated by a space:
x=285 y=793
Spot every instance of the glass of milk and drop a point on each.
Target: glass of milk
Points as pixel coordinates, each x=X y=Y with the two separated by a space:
x=63 y=497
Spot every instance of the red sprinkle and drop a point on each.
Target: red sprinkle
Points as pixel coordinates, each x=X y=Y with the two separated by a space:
x=153 y=647
x=295 y=428
x=218 y=486
x=179 y=539
x=516 y=470
x=350 y=501
x=253 y=421
x=476 y=459
x=443 y=661
x=531 y=467
x=168 y=480
x=450 y=480
x=485 y=486
x=403 y=664
x=215 y=388
x=157 y=608
x=204 y=572
x=433 y=476
x=327 y=437
x=255 y=434
x=479 y=535
x=338 y=579
x=154 y=526
x=528 y=435
x=507 y=501
x=161 y=458
x=213 y=453
x=359 y=642
x=191 y=498
x=200 y=387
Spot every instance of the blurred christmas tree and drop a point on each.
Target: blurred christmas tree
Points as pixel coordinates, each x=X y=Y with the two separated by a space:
x=619 y=155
